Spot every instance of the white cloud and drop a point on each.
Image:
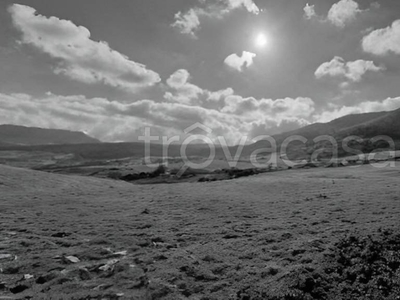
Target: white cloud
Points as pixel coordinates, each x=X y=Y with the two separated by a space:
x=280 y=108
x=183 y=91
x=116 y=121
x=340 y=13
x=248 y=4
x=180 y=90
x=309 y=11
x=218 y=95
x=178 y=79
x=383 y=41
x=239 y=62
x=343 y=12
x=226 y=113
x=81 y=58
x=353 y=70
x=234 y=117
x=375 y=5
x=189 y=22
x=356 y=69
x=388 y=104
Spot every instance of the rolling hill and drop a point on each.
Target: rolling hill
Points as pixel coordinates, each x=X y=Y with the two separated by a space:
x=21 y=135
x=384 y=124
x=365 y=126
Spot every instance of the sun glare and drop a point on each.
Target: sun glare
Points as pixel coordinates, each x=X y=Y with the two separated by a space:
x=261 y=40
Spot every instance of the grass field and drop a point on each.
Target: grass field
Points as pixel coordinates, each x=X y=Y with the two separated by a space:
x=72 y=237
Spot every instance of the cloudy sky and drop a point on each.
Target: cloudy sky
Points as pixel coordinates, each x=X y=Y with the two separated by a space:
x=240 y=67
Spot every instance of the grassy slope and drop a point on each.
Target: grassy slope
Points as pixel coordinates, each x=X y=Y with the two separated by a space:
x=216 y=240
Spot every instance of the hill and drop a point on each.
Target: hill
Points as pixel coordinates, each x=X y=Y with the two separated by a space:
x=333 y=128
x=385 y=124
x=365 y=126
x=21 y=135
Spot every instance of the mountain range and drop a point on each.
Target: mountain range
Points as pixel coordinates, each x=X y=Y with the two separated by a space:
x=21 y=135
x=365 y=126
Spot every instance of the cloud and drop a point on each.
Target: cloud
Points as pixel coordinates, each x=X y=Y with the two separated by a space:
x=80 y=58
x=218 y=95
x=343 y=12
x=232 y=116
x=353 y=70
x=116 y=121
x=356 y=69
x=224 y=112
x=340 y=13
x=238 y=63
x=180 y=90
x=299 y=107
x=388 y=104
x=189 y=22
x=178 y=79
x=248 y=4
x=383 y=41
x=183 y=91
x=309 y=11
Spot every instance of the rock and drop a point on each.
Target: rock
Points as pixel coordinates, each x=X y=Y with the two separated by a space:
x=120 y=253
x=109 y=265
x=71 y=259
x=6 y=256
x=11 y=233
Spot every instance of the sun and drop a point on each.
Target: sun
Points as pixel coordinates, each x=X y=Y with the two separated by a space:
x=261 y=40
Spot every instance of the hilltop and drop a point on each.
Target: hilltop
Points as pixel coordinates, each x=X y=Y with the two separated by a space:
x=27 y=136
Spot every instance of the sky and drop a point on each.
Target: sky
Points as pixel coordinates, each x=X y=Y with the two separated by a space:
x=238 y=67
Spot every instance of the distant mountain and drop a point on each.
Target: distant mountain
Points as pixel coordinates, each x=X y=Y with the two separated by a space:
x=387 y=123
x=21 y=135
x=344 y=126
x=365 y=126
